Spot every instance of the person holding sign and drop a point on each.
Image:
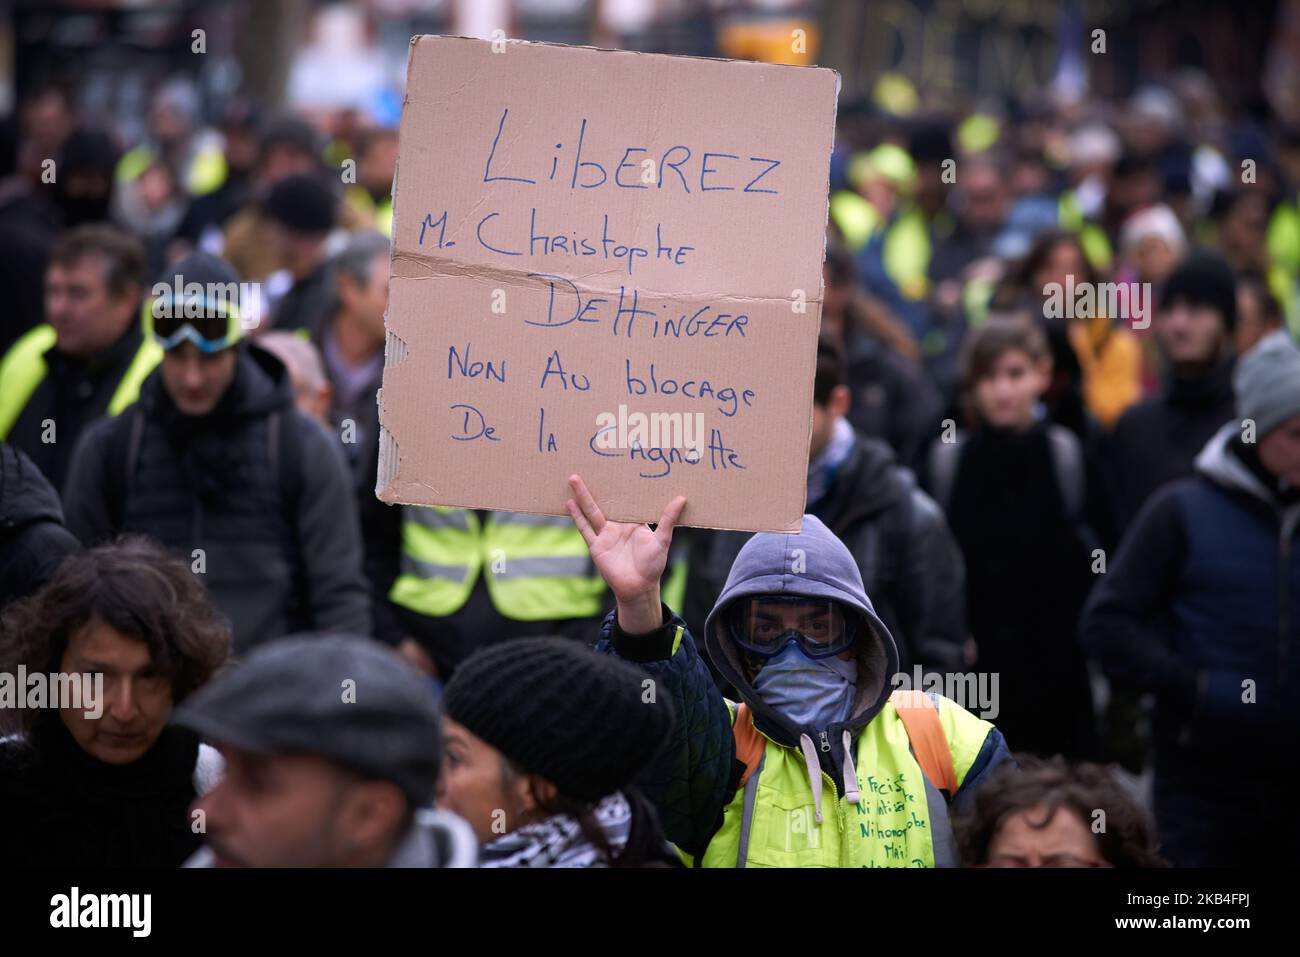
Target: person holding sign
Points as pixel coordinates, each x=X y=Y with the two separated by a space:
x=795 y=632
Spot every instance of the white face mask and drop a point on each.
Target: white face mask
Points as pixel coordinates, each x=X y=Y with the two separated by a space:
x=815 y=692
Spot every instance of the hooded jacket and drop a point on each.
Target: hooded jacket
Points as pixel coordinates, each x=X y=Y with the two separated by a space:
x=905 y=555
x=279 y=540
x=33 y=541
x=1202 y=607
x=698 y=776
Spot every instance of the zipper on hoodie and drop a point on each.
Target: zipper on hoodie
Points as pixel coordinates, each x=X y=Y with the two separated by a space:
x=839 y=811
x=835 y=791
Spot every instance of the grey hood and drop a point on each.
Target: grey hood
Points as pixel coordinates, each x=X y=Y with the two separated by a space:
x=1217 y=463
x=814 y=564
x=436 y=839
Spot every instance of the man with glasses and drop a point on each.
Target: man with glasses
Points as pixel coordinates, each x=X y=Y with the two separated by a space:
x=818 y=764
x=215 y=462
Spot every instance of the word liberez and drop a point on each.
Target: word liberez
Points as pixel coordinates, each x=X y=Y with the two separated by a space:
x=736 y=173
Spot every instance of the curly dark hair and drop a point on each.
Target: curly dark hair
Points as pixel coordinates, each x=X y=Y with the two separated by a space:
x=1127 y=841
x=136 y=587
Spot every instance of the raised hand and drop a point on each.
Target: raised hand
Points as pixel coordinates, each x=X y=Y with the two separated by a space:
x=630 y=557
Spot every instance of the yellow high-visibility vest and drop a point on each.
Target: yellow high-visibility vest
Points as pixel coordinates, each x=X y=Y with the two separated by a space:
x=537 y=567
x=24 y=368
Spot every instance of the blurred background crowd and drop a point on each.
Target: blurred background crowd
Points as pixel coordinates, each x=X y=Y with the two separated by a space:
x=1015 y=477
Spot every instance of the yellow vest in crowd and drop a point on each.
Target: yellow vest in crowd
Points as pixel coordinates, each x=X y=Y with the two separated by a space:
x=24 y=368
x=536 y=567
x=900 y=819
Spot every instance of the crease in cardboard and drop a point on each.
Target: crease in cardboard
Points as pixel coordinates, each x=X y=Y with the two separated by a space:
x=441 y=267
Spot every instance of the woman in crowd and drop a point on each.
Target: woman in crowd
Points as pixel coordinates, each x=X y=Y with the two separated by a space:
x=1052 y=814
x=1096 y=360
x=542 y=740
x=104 y=781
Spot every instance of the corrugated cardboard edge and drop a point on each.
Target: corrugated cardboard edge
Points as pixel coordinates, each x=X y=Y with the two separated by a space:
x=395 y=349
x=390 y=457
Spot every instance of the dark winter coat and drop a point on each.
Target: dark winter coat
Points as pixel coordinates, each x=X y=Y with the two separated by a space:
x=272 y=511
x=1028 y=573
x=33 y=541
x=61 y=807
x=1157 y=440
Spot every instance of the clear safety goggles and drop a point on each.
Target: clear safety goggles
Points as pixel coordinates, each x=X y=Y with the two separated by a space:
x=765 y=625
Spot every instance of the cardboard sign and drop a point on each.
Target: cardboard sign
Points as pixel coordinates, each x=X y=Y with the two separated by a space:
x=606 y=263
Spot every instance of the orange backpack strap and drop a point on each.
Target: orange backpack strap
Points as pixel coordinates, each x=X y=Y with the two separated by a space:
x=920 y=715
x=749 y=743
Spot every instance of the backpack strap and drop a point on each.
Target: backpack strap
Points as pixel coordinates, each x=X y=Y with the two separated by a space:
x=919 y=713
x=941 y=470
x=1067 y=462
x=284 y=451
x=275 y=453
x=750 y=744
x=284 y=448
x=123 y=458
x=897 y=537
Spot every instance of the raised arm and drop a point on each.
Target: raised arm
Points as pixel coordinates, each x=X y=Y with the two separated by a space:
x=689 y=783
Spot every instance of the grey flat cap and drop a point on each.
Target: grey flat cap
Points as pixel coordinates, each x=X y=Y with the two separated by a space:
x=345 y=698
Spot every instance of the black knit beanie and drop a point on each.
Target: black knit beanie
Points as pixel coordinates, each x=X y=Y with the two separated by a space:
x=584 y=721
x=302 y=203
x=202 y=268
x=1203 y=279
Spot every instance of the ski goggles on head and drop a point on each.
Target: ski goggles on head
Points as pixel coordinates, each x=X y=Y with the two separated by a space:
x=765 y=625
x=211 y=326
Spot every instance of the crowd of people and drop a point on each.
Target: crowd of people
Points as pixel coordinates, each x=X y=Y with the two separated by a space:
x=1055 y=443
